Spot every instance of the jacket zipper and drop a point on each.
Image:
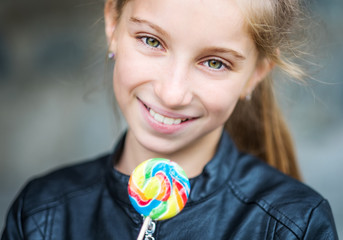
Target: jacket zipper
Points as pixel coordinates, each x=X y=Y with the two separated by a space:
x=150 y=231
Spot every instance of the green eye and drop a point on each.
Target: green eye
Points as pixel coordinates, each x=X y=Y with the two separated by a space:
x=215 y=64
x=152 y=42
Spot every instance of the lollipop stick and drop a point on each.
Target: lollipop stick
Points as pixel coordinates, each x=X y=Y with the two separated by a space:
x=145 y=226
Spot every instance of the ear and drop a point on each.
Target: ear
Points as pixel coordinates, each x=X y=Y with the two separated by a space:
x=110 y=15
x=262 y=69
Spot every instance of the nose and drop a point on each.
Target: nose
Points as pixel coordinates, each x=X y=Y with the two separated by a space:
x=173 y=86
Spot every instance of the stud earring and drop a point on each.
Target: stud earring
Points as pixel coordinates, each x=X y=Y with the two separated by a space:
x=110 y=55
x=248 y=97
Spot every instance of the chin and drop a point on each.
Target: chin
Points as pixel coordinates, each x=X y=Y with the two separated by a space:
x=162 y=148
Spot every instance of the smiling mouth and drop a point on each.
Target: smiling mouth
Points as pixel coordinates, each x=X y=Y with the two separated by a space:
x=163 y=119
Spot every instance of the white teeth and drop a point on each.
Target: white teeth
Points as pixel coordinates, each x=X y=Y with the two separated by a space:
x=177 y=121
x=168 y=121
x=165 y=120
x=152 y=112
x=158 y=117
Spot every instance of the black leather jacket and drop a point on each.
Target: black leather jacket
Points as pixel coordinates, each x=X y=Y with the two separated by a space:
x=236 y=197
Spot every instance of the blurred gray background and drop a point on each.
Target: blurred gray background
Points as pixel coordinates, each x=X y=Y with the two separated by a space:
x=55 y=96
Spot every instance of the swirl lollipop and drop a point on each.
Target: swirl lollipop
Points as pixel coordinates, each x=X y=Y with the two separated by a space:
x=158 y=189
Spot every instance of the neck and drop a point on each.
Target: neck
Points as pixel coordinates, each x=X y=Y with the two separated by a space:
x=191 y=158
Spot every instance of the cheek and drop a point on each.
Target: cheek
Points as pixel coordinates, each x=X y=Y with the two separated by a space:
x=125 y=76
x=222 y=99
x=119 y=85
x=221 y=109
x=131 y=69
x=122 y=85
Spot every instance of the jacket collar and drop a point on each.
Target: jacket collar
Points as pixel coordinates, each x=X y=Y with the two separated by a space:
x=215 y=174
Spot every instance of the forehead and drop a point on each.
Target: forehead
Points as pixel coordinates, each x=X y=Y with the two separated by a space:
x=208 y=20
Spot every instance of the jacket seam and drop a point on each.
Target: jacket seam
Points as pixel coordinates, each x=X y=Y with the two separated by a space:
x=52 y=223
x=51 y=203
x=265 y=206
x=277 y=235
x=283 y=228
x=46 y=224
x=309 y=218
x=38 y=228
x=275 y=231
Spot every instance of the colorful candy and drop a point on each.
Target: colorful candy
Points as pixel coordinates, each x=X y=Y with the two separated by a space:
x=158 y=188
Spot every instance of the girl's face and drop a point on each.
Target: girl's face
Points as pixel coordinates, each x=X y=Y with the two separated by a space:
x=181 y=67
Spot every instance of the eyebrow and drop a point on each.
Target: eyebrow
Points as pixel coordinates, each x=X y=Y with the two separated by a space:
x=236 y=54
x=153 y=26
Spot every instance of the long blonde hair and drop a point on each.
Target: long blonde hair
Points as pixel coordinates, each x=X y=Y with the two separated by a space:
x=257 y=126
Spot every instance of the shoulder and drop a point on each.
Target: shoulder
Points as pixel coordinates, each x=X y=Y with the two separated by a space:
x=258 y=181
x=64 y=183
x=293 y=204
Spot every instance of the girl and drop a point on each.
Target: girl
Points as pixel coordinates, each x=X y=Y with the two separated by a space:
x=192 y=79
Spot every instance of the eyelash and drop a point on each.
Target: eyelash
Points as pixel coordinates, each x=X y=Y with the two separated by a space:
x=223 y=66
x=144 y=39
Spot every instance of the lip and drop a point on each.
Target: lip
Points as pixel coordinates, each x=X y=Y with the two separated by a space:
x=166 y=113
x=160 y=127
